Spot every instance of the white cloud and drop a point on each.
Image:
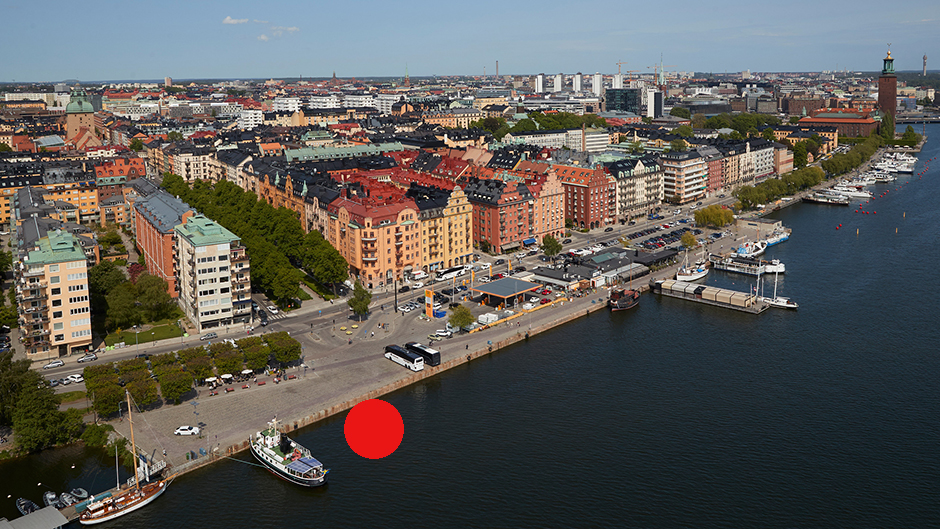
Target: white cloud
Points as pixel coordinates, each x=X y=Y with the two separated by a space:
x=264 y=38
x=230 y=20
x=278 y=31
x=256 y=21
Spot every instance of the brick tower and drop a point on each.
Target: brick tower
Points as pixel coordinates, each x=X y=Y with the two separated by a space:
x=888 y=88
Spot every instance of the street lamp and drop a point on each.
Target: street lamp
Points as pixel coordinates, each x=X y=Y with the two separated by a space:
x=137 y=338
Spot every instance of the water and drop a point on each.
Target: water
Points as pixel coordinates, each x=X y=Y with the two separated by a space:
x=670 y=415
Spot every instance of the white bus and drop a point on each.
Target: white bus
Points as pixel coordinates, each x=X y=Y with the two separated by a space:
x=451 y=273
x=405 y=358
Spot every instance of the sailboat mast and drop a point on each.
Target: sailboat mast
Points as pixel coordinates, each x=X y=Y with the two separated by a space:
x=130 y=419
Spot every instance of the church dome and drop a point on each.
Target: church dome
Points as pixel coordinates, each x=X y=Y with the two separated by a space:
x=78 y=103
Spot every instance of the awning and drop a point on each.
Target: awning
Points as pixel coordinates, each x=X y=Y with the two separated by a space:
x=211 y=379
x=527 y=242
x=247 y=372
x=226 y=376
x=509 y=246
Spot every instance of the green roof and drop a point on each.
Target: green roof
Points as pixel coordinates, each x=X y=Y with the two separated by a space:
x=57 y=247
x=201 y=231
x=78 y=103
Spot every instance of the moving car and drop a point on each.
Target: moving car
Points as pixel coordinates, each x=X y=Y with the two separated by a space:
x=608 y=229
x=272 y=309
x=90 y=357
x=76 y=378
x=54 y=363
x=209 y=336
x=187 y=430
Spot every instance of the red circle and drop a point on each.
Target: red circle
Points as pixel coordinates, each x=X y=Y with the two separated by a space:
x=374 y=429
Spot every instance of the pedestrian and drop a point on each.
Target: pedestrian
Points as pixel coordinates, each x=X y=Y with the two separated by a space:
x=373 y=334
x=164 y=452
x=468 y=347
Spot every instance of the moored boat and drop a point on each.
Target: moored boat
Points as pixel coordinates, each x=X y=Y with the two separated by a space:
x=751 y=249
x=777 y=237
x=827 y=198
x=286 y=458
x=850 y=192
x=51 y=498
x=79 y=493
x=623 y=299
x=67 y=499
x=26 y=506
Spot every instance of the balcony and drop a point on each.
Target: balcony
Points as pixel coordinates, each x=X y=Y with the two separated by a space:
x=239 y=257
x=370 y=258
x=35 y=295
x=37 y=332
x=368 y=239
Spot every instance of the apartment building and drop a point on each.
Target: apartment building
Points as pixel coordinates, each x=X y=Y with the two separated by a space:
x=155 y=222
x=52 y=296
x=445 y=217
x=549 y=206
x=214 y=276
x=503 y=212
x=639 y=186
x=685 y=176
x=590 y=196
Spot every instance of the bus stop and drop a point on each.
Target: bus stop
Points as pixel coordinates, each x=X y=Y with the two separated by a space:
x=505 y=291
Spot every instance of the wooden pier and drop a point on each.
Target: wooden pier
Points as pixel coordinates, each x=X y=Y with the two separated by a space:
x=717 y=297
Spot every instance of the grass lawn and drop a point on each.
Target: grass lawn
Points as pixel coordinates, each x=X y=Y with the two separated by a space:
x=318 y=288
x=70 y=396
x=160 y=332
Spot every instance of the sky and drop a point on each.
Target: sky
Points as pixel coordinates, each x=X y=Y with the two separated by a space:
x=95 y=40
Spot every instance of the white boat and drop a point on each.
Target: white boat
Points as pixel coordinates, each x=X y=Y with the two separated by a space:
x=752 y=249
x=286 y=458
x=774 y=266
x=779 y=301
x=777 y=237
x=694 y=272
x=850 y=192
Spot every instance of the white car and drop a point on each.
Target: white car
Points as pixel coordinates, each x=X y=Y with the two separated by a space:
x=272 y=309
x=417 y=285
x=528 y=306
x=76 y=378
x=187 y=430
x=444 y=333
x=54 y=363
x=484 y=279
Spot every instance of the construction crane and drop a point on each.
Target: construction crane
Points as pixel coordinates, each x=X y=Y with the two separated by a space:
x=619 y=63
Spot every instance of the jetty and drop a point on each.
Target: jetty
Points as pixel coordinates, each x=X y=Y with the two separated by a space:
x=718 y=297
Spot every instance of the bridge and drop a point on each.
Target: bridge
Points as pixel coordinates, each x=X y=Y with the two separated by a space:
x=917 y=119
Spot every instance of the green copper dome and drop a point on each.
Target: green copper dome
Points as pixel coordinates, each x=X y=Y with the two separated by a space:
x=78 y=103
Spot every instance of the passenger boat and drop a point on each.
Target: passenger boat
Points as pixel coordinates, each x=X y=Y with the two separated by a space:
x=777 y=237
x=827 y=198
x=850 y=192
x=286 y=458
x=26 y=506
x=128 y=501
x=693 y=272
x=623 y=299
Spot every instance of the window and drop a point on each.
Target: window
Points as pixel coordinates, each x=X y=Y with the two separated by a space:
x=78 y=334
x=54 y=279
x=56 y=291
x=76 y=277
x=80 y=322
x=54 y=268
x=76 y=288
x=78 y=299
x=80 y=310
x=59 y=337
x=57 y=326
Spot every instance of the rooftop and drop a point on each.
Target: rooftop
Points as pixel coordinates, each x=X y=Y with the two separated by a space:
x=201 y=231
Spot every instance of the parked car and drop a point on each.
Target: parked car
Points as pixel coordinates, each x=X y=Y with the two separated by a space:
x=187 y=430
x=53 y=382
x=54 y=363
x=444 y=332
x=608 y=229
x=90 y=357
x=500 y=261
x=519 y=269
x=76 y=378
x=64 y=381
x=435 y=337
x=545 y=300
x=404 y=289
x=566 y=241
x=209 y=336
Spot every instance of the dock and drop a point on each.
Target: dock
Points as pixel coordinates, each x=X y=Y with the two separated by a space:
x=718 y=297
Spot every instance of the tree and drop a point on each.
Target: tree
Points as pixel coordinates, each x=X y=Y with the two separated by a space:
x=12 y=378
x=174 y=136
x=699 y=120
x=104 y=277
x=460 y=317
x=256 y=352
x=680 y=112
x=360 y=300
x=688 y=240
x=714 y=216
x=122 y=307
x=910 y=134
x=887 y=126
x=794 y=120
x=550 y=247
x=155 y=301
x=6 y=261
x=768 y=134
x=136 y=145
x=799 y=155
x=683 y=130
x=174 y=382
x=5 y=148
x=37 y=421
x=678 y=145
x=284 y=348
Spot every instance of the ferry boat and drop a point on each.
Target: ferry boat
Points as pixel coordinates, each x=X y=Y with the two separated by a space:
x=286 y=458
x=128 y=501
x=623 y=299
x=777 y=237
x=736 y=264
x=827 y=198
x=850 y=192
x=751 y=249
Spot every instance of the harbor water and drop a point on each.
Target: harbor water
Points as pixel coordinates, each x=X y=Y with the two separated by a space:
x=672 y=414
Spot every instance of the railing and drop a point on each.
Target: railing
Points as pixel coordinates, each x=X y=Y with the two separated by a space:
x=239 y=257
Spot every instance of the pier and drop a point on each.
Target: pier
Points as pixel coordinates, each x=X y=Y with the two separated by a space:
x=717 y=297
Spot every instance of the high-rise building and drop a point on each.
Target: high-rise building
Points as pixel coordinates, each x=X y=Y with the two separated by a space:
x=624 y=100
x=925 y=65
x=576 y=81
x=52 y=296
x=654 y=104
x=685 y=176
x=618 y=80
x=559 y=82
x=888 y=88
x=597 y=86
x=167 y=81
x=540 y=83
x=214 y=277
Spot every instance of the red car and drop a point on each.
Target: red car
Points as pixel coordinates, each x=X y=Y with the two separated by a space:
x=545 y=292
x=545 y=300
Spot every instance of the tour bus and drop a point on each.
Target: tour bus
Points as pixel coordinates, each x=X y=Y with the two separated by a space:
x=431 y=356
x=400 y=356
x=450 y=273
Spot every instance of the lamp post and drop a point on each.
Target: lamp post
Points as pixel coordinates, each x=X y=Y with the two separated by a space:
x=180 y=323
x=137 y=338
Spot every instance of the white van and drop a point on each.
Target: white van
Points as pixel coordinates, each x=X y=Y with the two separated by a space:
x=419 y=275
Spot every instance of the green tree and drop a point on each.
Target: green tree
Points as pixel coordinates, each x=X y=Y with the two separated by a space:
x=257 y=353
x=136 y=145
x=5 y=148
x=794 y=120
x=104 y=277
x=688 y=240
x=37 y=421
x=699 y=120
x=284 y=348
x=155 y=302
x=460 y=317
x=887 y=126
x=768 y=134
x=13 y=375
x=910 y=134
x=714 y=216
x=678 y=145
x=799 y=155
x=683 y=130
x=6 y=261
x=680 y=112
x=550 y=247
x=122 y=307
x=174 y=136
x=360 y=300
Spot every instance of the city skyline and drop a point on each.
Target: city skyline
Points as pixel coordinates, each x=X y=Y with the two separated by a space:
x=233 y=40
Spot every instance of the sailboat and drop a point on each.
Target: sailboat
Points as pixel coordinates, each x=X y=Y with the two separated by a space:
x=779 y=301
x=692 y=273
x=127 y=501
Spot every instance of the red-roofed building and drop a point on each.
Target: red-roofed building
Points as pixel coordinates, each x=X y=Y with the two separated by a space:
x=111 y=176
x=849 y=122
x=590 y=196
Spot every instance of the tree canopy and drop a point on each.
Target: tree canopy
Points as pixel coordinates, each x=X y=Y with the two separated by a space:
x=714 y=216
x=678 y=145
x=680 y=112
x=360 y=300
x=550 y=247
x=460 y=317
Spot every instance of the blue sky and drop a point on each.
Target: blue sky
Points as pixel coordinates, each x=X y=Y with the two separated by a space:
x=53 y=40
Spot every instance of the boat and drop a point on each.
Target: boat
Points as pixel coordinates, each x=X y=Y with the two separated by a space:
x=623 y=299
x=827 y=198
x=51 y=498
x=774 y=266
x=751 y=249
x=26 y=506
x=67 y=499
x=79 y=493
x=779 y=301
x=694 y=272
x=850 y=192
x=286 y=458
x=128 y=501
x=777 y=237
